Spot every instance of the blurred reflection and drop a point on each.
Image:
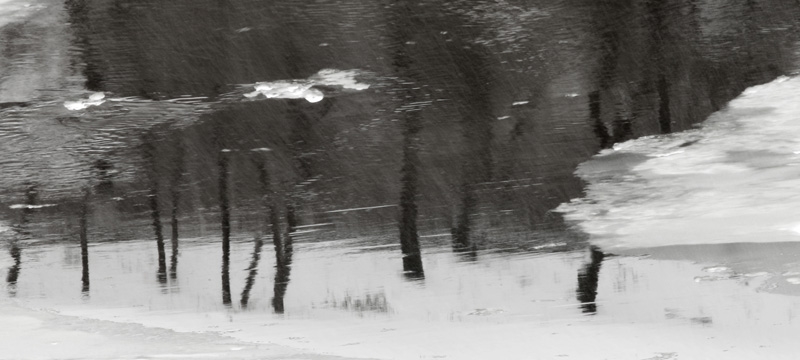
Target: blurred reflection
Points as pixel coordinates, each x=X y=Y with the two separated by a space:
x=84 y=238
x=475 y=111
x=178 y=169
x=150 y=156
x=225 y=219
x=78 y=12
x=588 y=277
x=105 y=173
x=272 y=220
x=13 y=271
x=20 y=232
x=658 y=47
x=283 y=261
x=412 y=125
x=252 y=271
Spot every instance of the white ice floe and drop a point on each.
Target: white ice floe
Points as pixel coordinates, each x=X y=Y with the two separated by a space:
x=305 y=88
x=93 y=100
x=287 y=90
x=735 y=179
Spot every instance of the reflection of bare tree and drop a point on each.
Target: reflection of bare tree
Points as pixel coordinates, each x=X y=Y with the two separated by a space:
x=658 y=35
x=412 y=125
x=21 y=231
x=13 y=270
x=78 y=11
x=476 y=120
x=225 y=214
x=252 y=271
x=283 y=258
x=175 y=183
x=149 y=154
x=84 y=238
x=272 y=220
x=588 y=278
x=608 y=27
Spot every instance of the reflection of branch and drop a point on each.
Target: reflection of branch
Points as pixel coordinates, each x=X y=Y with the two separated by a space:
x=253 y=271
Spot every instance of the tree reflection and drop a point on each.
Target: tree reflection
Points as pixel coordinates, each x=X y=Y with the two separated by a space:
x=21 y=232
x=283 y=261
x=225 y=219
x=13 y=271
x=252 y=271
x=150 y=156
x=175 y=183
x=411 y=118
x=272 y=220
x=84 y=239
x=476 y=121
x=588 y=278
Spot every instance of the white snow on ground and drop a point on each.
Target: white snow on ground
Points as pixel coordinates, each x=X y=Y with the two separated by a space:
x=735 y=179
x=45 y=334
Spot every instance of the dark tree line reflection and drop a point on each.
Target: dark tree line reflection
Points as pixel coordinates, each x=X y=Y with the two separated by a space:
x=437 y=134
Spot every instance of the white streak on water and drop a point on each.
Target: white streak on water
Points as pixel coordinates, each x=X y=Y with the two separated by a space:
x=26 y=206
x=361 y=208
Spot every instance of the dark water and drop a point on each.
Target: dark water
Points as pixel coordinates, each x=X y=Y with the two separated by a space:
x=477 y=114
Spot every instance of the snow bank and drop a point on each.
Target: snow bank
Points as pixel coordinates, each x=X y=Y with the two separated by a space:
x=735 y=179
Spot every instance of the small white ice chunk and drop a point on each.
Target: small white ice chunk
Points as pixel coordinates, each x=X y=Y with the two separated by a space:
x=93 y=100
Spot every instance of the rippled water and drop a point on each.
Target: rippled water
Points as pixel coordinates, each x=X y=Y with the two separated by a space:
x=183 y=157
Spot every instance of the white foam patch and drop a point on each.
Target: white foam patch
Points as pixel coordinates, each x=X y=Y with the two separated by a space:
x=304 y=89
x=735 y=179
x=93 y=100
